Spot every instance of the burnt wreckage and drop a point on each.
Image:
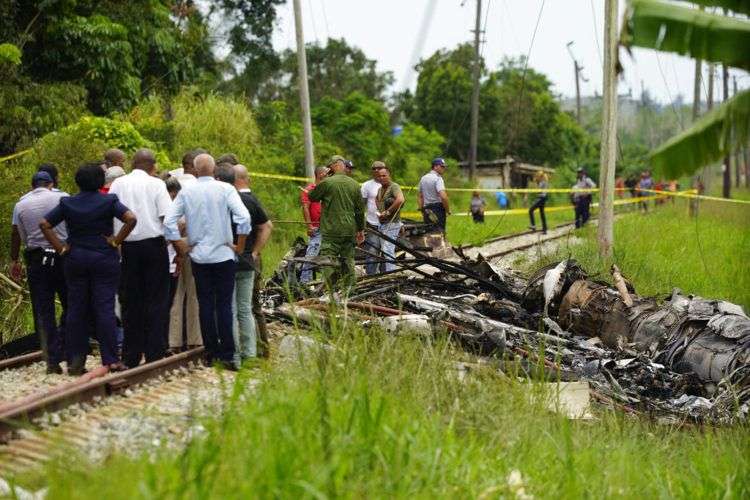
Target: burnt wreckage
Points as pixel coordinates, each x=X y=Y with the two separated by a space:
x=685 y=358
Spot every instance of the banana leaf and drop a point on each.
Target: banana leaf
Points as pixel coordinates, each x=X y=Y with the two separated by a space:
x=688 y=31
x=713 y=136
x=739 y=6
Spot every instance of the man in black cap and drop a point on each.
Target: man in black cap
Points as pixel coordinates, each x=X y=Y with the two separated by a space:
x=43 y=265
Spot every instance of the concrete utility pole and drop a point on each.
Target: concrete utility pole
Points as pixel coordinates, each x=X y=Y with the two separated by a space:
x=608 y=153
x=726 y=170
x=577 y=71
x=693 y=203
x=304 y=92
x=475 y=96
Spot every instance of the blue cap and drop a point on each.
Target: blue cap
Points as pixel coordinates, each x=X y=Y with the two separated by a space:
x=41 y=178
x=438 y=161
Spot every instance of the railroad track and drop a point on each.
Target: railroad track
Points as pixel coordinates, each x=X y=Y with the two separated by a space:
x=34 y=427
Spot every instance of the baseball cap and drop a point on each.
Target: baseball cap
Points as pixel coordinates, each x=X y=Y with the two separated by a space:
x=41 y=178
x=377 y=164
x=334 y=159
x=439 y=161
x=349 y=164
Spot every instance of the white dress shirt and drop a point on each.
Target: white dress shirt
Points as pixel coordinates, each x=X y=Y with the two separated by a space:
x=147 y=198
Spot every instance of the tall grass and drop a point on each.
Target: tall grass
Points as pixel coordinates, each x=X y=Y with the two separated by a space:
x=388 y=417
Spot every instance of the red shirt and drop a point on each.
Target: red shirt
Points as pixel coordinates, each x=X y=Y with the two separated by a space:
x=104 y=189
x=315 y=207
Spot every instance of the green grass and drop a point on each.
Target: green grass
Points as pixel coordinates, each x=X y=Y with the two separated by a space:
x=387 y=417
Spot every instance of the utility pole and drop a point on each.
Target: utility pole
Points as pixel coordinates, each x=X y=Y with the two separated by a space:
x=304 y=92
x=693 y=202
x=707 y=180
x=737 y=152
x=608 y=153
x=475 y=96
x=577 y=70
x=727 y=173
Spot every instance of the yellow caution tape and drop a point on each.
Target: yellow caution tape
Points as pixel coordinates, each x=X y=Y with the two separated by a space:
x=15 y=155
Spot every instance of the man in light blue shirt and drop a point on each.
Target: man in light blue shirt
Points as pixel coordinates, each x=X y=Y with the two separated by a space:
x=209 y=208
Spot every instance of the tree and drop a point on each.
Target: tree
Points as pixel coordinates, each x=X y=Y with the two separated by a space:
x=116 y=50
x=668 y=27
x=357 y=123
x=334 y=70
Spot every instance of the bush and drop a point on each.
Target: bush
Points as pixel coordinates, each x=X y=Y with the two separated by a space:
x=412 y=152
x=151 y=119
x=218 y=124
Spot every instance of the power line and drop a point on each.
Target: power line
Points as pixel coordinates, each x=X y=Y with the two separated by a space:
x=325 y=17
x=312 y=17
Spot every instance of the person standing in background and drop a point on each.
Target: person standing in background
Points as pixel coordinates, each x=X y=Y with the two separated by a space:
x=542 y=182
x=252 y=335
x=210 y=207
x=44 y=266
x=432 y=197
x=311 y=212
x=389 y=201
x=184 y=320
x=91 y=265
x=582 y=200
x=476 y=207
x=114 y=158
x=369 y=192
x=342 y=224
x=144 y=296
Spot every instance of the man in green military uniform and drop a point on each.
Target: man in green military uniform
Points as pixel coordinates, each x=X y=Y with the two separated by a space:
x=342 y=223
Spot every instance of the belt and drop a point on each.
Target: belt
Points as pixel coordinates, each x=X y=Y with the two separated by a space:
x=155 y=239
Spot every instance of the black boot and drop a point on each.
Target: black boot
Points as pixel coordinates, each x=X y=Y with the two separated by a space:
x=77 y=366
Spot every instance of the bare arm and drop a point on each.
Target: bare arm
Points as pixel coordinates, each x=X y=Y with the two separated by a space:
x=396 y=204
x=264 y=233
x=444 y=199
x=16 y=270
x=420 y=200
x=128 y=223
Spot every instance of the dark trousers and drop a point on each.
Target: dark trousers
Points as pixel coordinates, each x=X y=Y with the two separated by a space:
x=434 y=213
x=92 y=278
x=539 y=203
x=214 y=284
x=46 y=279
x=144 y=299
x=583 y=205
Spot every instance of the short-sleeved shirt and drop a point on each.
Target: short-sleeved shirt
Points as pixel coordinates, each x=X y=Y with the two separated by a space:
x=89 y=217
x=369 y=192
x=477 y=204
x=149 y=200
x=343 y=211
x=385 y=198
x=430 y=185
x=258 y=217
x=314 y=206
x=30 y=210
x=646 y=183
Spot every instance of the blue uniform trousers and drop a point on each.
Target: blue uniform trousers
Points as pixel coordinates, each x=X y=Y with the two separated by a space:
x=214 y=285
x=47 y=279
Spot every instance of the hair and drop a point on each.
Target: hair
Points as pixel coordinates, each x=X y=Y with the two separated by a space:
x=113 y=173
x=189 y=157
x=90 y=176
x=173 y=185
x=111 y=155
x=225 y=173
x=230 y=158
x=51 y=169
x=541 y=176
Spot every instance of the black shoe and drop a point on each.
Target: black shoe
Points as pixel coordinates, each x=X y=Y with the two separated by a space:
x=228 y=365
x=77 y=366
x=54 y=369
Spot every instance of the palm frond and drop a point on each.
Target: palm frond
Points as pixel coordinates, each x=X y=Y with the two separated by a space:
x=709 y=139
x=739 y=6
x=687 y=31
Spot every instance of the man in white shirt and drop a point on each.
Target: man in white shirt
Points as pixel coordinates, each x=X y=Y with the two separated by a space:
x=144 y=289
x=369 y=194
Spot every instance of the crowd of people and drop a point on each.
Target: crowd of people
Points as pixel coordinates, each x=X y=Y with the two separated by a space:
x=172 y=258
x=150 y=264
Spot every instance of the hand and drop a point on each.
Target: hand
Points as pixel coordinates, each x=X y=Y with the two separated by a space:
x=360 y=237
x=112 y=241
x=64 y=250
x=182 y=248
x=256 y=260
x=16 y=271
x=311 y=230
x=179 y=261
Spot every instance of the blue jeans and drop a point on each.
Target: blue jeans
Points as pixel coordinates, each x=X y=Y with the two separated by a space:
x=214 y=285
x=372 y=245
x=245 y=340
x=313 y=248
x=392 y=230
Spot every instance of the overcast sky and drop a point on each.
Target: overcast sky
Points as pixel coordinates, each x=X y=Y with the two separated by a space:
x=387 y=30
